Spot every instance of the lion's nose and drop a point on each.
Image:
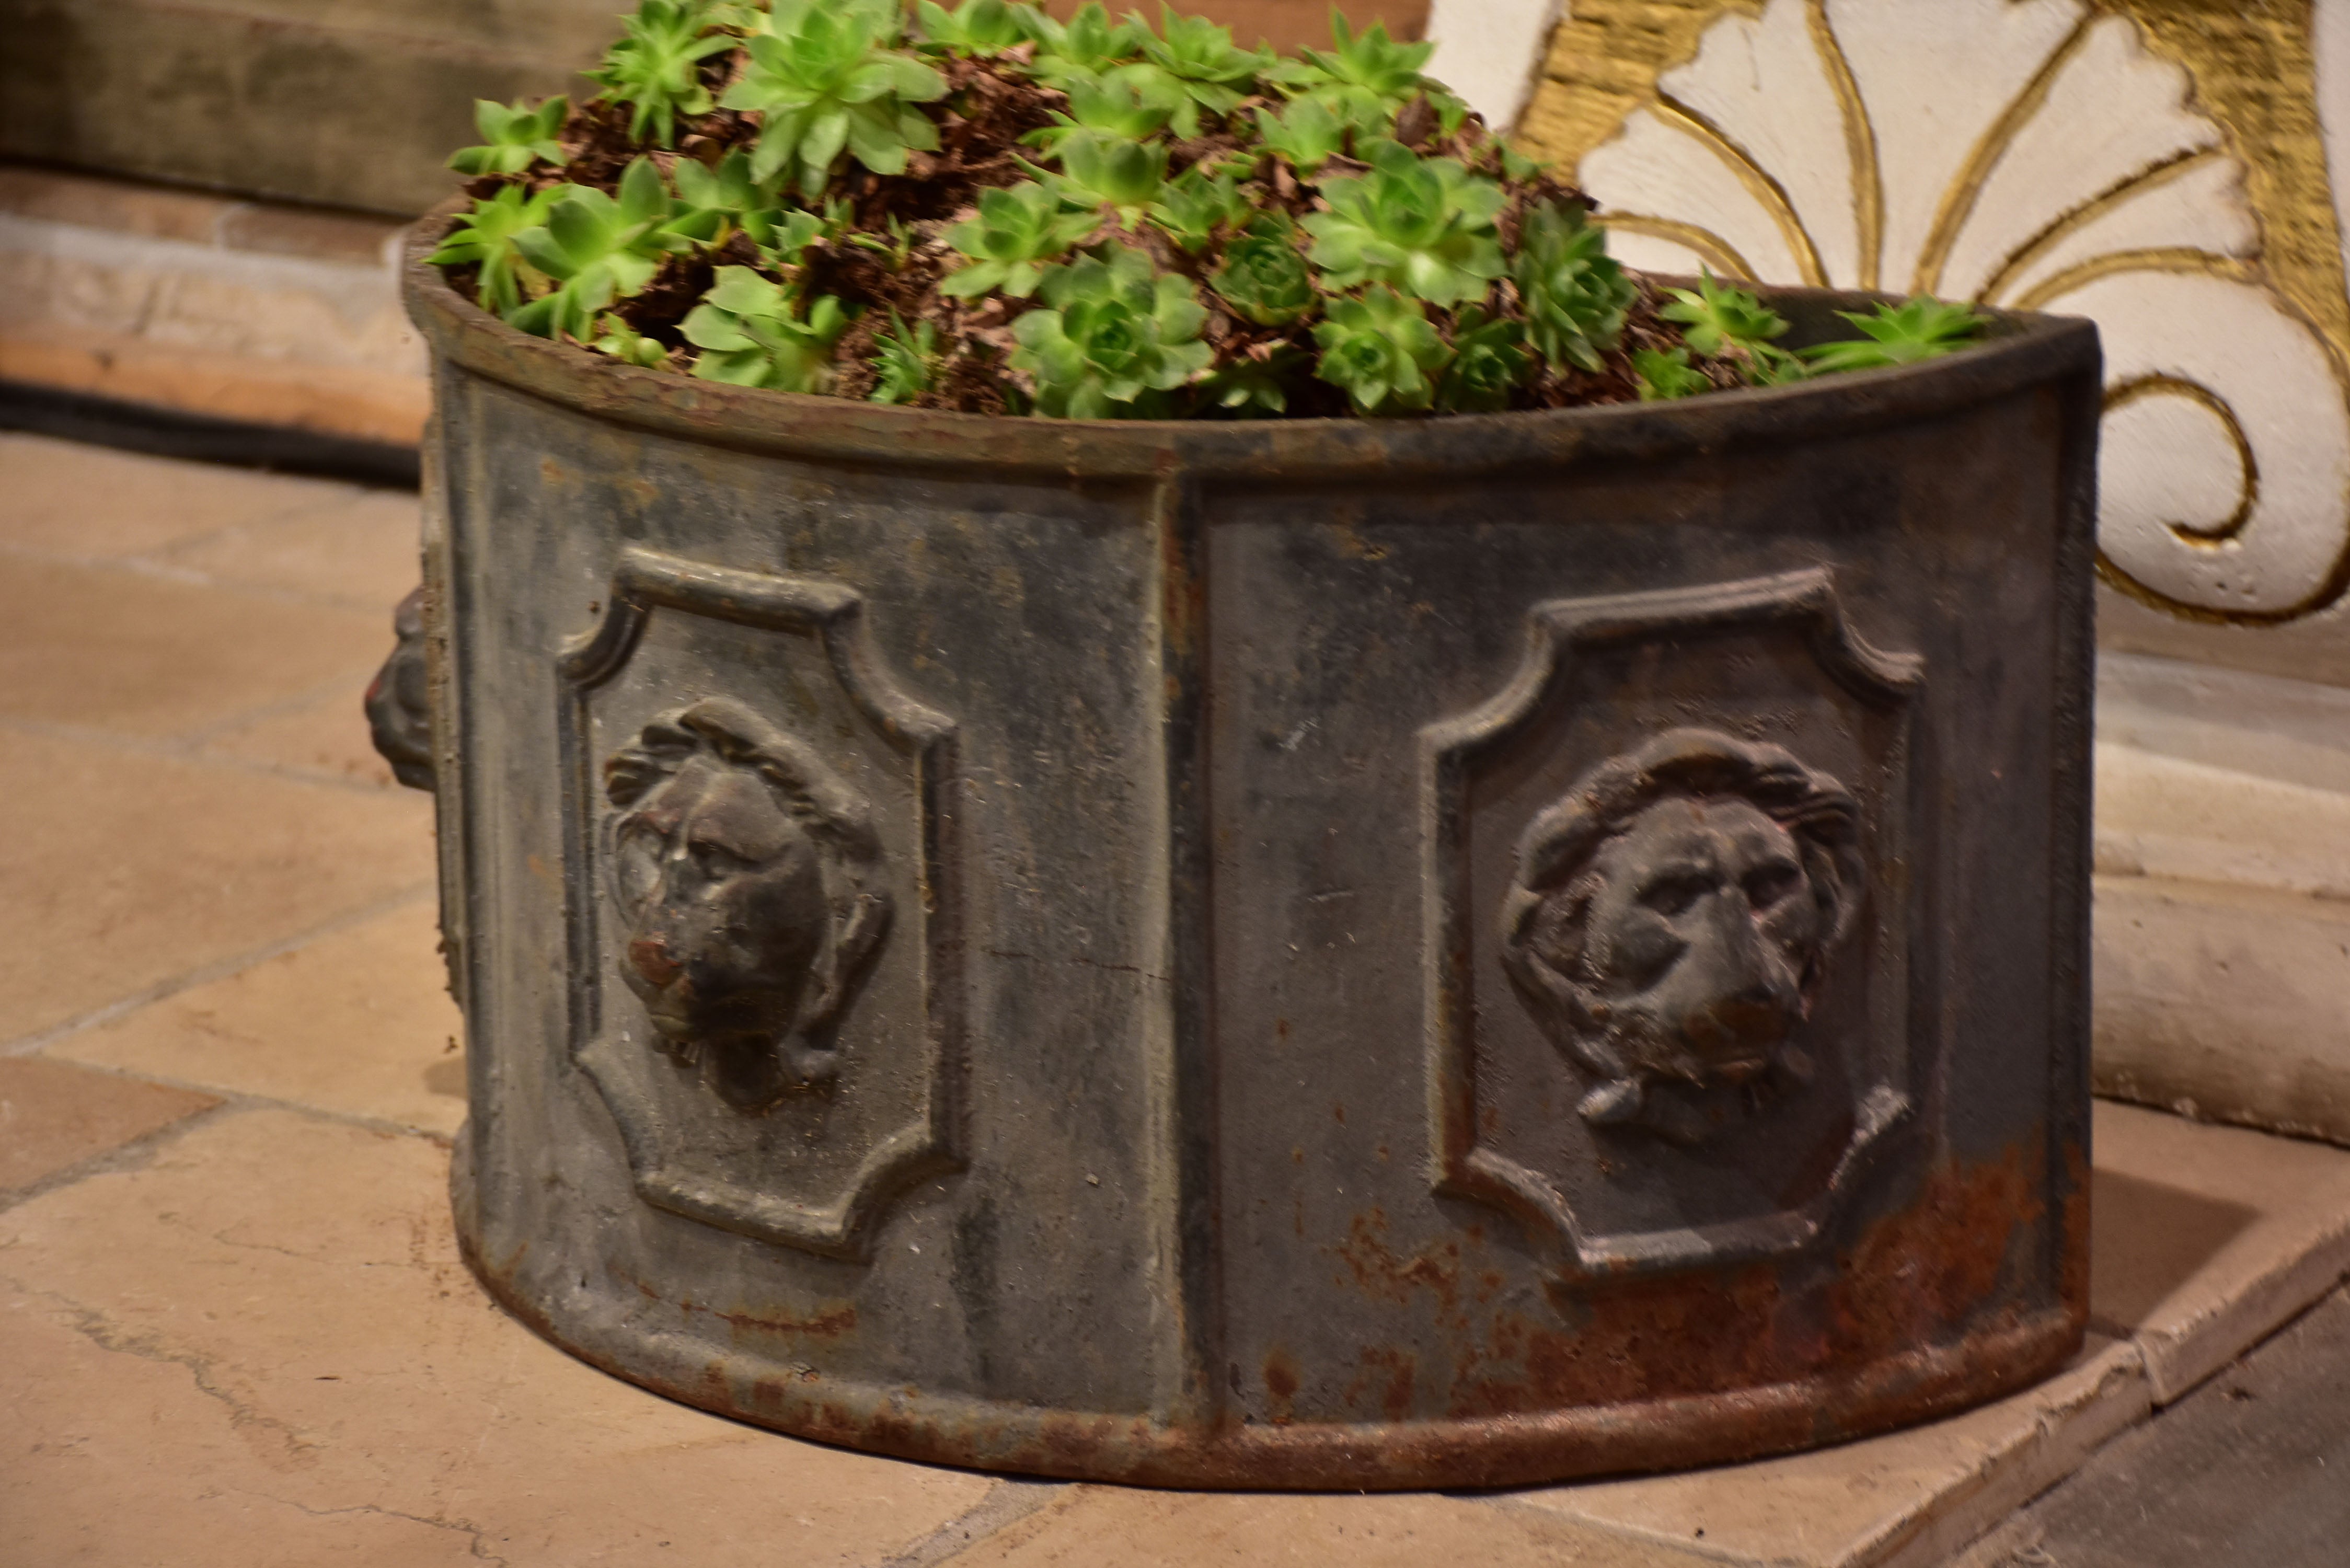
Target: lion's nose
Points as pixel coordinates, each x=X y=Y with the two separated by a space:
x=650 y=957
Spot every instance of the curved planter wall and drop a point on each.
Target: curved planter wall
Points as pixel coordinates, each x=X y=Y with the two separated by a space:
x=1309 y=954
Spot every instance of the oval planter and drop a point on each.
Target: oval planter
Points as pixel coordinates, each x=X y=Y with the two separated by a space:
x=1317 y=954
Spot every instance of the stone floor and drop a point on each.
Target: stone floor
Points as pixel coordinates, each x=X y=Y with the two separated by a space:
x=233 y=1329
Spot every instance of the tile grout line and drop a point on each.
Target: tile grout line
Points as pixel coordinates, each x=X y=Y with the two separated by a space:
x=153 y=568
x=1005 y=1504
x=248 y=1100
x=220 y=969
x=131 y=1154
x=177 y=749
x=204 y=735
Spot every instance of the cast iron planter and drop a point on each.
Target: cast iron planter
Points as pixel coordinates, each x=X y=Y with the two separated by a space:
x=1311 y=954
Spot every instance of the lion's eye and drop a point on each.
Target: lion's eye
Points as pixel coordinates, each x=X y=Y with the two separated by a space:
x=1675 y=894
x=715 y=860
x=1767 y=885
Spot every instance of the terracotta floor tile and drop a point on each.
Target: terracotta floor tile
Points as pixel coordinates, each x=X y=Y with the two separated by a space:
x=269 y=1322
x=324 y=735
x=359 y=1021
x=108 y=649
x=1093 y=1527
x=139 y=870
x=61 y=498
x=357 y=548
x=54 y=1115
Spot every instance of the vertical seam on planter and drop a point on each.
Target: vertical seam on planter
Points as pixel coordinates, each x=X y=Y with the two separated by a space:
x=1182 y=1030
x=2080 y=400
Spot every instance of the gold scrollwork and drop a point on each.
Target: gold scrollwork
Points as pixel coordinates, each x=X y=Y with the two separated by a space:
x=2254 y=78
x=2248 y=481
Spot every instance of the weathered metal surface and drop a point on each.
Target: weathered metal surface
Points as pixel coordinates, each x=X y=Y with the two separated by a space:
x=399 y=701
x=1307 y=954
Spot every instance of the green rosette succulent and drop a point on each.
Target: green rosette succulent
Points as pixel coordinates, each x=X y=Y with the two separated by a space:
x=484 y=238
x=1207 y=69
x=753 y=333
x=975 y=30
x=1382 y=351
x=1100 y=172
x=512 y=138
x=1422 y=224
x=1018 y=232
x=1905 y=334
x=825 y=82
x=1574 y=294
x=714 y=203
x=1364 y=81
x=1250 y=387
x=1123 y=103
x=1112 y=335
x=904 y=361
x=1665 y=374
x=1718 y=320
x=1198 y=205
x=1087 y=43
x=1264 y=278
x=656 y=68
x=1489 y=364
x=1305 y=133
x=624 y=343
x=596 y=248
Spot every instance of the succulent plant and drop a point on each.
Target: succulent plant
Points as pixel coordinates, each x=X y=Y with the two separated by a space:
x=1423 y=224
x=1380 y=350
x=1263 y=278
x=1253 y=387
x=824 y=81
x=656 y=68
x=1490 y=363
x=485 y=239
x=1210 y=71
x=1114 y=331
x=1018 y=231
x=512 y=138
x=756 y=334
x=1107 y=171
x=1305 y=133
x=596 y=249
x=975 y=27
x=712 y=203
x=1087 y=43
x=1920 y=328
x=904 y=361
x=1730 y=323
x=1117 y=103
x=1123 y=219
x=623 y=342
x=1575 y=296
x=1667 y=373
x=1197 y=204
x=1362 y=82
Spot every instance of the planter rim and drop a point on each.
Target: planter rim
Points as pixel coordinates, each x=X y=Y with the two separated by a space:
x=2029 y=347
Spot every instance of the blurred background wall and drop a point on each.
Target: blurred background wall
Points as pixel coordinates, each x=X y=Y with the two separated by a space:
x=348 y=103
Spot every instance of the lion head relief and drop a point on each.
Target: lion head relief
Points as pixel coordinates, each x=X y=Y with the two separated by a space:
x=1671 y=920
x=749 y=875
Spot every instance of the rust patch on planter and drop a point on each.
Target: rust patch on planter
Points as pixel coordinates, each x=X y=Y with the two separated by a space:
x=1924 y=1273
x=1379 y=1271
x=1280 y=1386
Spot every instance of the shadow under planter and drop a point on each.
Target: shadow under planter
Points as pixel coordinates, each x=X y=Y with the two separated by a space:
x=1284 y=954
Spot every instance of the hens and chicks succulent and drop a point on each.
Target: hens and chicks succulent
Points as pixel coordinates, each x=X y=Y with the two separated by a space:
x=990 y=208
